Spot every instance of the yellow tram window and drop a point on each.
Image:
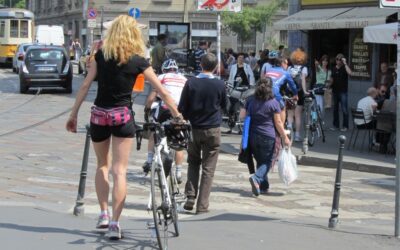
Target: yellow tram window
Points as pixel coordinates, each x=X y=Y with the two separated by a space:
x=2 y=28
x=14 y=28
x=23 y=32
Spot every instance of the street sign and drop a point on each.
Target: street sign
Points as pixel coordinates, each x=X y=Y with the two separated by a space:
x=92 y=13
x=389 y=3
x=134 y=12
x=220 y=5
x=91 y=23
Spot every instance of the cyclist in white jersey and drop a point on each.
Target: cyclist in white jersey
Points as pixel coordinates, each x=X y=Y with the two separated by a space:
x=174 y=83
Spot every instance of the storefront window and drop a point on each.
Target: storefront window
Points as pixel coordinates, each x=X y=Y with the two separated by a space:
x=2 y=28
x=23 y=32
x=14 y=28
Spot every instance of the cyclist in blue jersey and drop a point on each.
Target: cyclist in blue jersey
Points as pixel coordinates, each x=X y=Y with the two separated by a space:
x=282 y=82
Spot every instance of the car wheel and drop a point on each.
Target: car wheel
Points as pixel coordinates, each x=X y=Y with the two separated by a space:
x=23 y=88
x=68 y=86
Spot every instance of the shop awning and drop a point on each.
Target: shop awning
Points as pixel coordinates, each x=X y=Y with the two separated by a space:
x=383 y=33
x=334 y=18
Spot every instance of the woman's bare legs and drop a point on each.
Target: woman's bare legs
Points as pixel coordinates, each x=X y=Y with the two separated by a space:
x=298 y=112
x=101 y=180
x=290 y=117
x=121 y=148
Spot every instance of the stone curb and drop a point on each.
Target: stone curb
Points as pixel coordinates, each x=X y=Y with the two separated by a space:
x=355 y=166
x=326 y=163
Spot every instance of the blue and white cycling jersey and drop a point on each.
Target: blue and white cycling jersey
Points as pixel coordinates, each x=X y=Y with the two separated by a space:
x=280 y=77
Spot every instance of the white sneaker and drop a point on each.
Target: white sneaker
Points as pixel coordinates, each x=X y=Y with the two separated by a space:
x=344 y=129
x=297 y=138
x=103 y=221
x=114 y=232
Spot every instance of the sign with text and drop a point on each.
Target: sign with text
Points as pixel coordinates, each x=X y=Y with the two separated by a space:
x=91 y=23
x=389 y=3
x=360 y=57
x=220 y=5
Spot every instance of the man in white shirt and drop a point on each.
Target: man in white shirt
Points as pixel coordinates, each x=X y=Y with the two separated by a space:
x=174 y=83
x=368 y=106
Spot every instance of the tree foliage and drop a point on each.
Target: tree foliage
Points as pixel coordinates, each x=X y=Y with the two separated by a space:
x=14 y=3
x=251 y=19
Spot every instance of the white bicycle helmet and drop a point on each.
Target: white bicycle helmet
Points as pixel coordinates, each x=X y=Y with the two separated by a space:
x=168 y=65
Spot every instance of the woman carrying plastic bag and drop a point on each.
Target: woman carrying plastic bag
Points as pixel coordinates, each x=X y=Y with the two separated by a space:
x=264 y=111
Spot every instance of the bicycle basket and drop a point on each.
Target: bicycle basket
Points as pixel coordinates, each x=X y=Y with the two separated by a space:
x=178 y=135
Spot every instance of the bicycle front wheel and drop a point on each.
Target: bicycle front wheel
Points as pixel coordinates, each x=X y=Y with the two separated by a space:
x=159 y=208
x=312 y=135
x=174 y=206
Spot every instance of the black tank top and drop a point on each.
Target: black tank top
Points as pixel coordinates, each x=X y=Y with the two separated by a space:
x=115 y=82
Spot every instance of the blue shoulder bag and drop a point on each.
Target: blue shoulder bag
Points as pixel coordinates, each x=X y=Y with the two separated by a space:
x=246 y=128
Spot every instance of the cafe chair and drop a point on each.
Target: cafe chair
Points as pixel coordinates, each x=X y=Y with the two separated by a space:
x=386 y=130
x=359 y=115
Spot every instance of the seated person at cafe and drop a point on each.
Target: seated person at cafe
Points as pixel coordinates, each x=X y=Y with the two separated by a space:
x=389 y=105
x=368 y=106
x=384 y=76
x=382 y=95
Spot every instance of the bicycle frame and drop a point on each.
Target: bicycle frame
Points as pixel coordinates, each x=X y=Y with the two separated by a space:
x=157 y=165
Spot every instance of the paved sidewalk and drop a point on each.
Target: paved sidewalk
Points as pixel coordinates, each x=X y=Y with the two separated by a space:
x=326 y=154
x=31 y=228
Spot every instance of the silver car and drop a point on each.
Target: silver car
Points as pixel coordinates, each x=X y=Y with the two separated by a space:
x=20 y=55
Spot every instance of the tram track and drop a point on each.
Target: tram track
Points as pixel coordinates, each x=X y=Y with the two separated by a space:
x=30 y=101
x=24 y=103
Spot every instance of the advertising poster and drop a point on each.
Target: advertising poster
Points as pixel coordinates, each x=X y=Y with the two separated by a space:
x=178 y=35
x=220 y=5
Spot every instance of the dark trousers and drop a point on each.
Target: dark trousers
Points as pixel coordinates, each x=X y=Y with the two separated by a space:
x=262 y=148
x=342 y=99
x=203 y=151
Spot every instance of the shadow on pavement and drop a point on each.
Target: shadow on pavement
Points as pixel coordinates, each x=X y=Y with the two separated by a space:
x=231 y=217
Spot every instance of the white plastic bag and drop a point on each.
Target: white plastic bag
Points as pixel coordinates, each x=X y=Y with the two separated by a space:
x=287 y=166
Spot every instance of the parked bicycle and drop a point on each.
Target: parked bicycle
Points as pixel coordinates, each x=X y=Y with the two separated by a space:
x=313 y=120
x=165 y=192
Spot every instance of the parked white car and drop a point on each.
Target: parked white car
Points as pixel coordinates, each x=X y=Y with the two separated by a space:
x=20 y=55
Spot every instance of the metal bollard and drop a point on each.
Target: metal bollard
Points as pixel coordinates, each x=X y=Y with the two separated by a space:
x=79 y=209
x=338 y=182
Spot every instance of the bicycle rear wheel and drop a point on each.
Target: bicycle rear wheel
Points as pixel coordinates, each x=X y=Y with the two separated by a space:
x=159 y=208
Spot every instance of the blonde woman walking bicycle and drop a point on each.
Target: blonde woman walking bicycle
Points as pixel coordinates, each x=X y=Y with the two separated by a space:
x=112 y=125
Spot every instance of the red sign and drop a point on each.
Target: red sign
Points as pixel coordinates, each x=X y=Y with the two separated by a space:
x=215 y=4
x=92 y=13
x=220 y=5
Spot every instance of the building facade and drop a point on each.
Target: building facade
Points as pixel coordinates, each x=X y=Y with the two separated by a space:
x=336 y=26
x=72 y=14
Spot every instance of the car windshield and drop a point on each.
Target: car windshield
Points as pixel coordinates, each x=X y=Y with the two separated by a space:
x=45 y=54
x=25 y=47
